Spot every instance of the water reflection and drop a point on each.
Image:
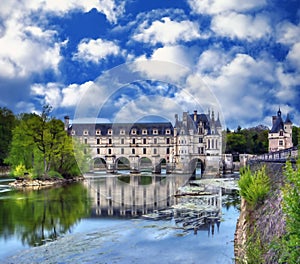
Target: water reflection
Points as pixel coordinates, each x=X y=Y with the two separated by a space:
x=132 y=195
x=35 y=217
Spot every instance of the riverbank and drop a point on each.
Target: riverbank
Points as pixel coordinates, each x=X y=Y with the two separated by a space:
x=259 y=228
x=43 y=183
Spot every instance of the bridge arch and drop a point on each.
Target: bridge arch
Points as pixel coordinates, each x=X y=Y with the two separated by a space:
x=197 y=166
x=145 y=164
x=122 y=163
x=99 y=163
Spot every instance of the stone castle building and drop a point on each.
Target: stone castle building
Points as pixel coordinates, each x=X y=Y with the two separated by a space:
x=280 y=136
x=195 y=141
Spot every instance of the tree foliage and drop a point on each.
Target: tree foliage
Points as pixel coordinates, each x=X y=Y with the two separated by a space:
x=291 y=196
x=40 y=144
x=252 y=140
x=7 y=123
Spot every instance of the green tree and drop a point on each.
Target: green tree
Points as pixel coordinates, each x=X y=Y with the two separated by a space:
x=296 y=135
x=41 y=145
x=7 y=123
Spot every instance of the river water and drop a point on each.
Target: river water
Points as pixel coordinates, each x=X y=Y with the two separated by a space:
x=110 y=219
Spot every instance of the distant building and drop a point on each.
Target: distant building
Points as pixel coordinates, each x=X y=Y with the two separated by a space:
x=194 y=141
x=280 y=136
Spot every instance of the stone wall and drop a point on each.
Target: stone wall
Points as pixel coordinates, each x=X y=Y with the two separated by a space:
x=266 y=220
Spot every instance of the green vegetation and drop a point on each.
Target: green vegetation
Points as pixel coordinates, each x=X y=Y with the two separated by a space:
x=254 y=187
x=296 y=135
x=252 y=140
x=7 y=123
x=290 y=243
x=40 y=147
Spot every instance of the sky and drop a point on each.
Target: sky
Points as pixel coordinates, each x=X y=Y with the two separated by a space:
x=125 y=61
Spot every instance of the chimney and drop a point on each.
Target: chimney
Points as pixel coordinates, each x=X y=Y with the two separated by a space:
x=195 y=115
x=67 y=123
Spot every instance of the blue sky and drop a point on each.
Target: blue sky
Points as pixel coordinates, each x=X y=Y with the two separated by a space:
x=126 y=60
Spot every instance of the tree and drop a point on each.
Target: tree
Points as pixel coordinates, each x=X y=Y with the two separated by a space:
x=7 y=123
x=295 y=135
x=41 y=145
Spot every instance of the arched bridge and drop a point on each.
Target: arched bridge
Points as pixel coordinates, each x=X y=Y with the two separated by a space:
x=279 y=156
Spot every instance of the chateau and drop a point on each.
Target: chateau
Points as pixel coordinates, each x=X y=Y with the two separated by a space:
x=195 y=141
x=280 y=136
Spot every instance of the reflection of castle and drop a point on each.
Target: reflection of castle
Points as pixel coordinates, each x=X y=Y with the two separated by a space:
x=196 y=139
x=132 y=195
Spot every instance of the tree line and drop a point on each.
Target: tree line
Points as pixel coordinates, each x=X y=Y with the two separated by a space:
x=38 y=145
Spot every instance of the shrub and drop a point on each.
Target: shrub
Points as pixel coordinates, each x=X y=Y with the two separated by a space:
x=54 y=175
x=254 y=187
x=21 y=171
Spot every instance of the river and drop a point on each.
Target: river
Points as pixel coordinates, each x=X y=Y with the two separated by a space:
x=110 y=219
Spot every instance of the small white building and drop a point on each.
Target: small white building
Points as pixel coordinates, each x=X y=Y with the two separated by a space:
x=280 y=136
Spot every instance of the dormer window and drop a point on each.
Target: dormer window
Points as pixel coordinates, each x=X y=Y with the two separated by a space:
x=168 y=131
x=110 y=132
x=122 y=132
x=133 y=131
x=73 y=133
x=155 y=131
x=98 y=132
x=144 y=131
x=85 y=132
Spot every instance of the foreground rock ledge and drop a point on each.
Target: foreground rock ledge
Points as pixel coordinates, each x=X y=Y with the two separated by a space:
x=37 y=184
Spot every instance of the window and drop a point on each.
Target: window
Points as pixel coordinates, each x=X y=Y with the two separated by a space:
x=122 y=141
x=144 y=141
x=98 y=132
x=280 y=142
x=73 y=132
x=167 y=150
x=168 y=131
x=109 y=132
x=98 y=141
x=144 y=151
x=155 y=141
x=85 y=141
x=133 y=151
x=200 y=140
x=167 y=140
x=155 y=151
x=133 y=131
x=109 y=141
x=122 y=151
x=281 y=133
x=122 y=132
x=98 y=151
x=155 y=131
x=133 y=141
x=109 y=151
x=144 y=131
x=85 y=132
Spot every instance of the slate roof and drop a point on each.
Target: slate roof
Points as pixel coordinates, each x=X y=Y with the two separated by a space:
x=117 y=127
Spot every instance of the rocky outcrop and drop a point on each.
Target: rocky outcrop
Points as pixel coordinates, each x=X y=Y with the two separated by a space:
x=37 y=184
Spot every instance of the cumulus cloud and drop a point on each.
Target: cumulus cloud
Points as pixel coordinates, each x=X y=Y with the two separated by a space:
x=241 y=85
x=241 y=26
x=288 y=33
x=49 y=93
x=167 y=31
x=294 y=56
x=218 y=6
x=95 y=50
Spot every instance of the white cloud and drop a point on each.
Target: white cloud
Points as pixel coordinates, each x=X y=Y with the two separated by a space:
x=176 y=54
x=167 y=31
x=50 y=92
x=242 y=86
x=288 y=33
x=247 y=27
x=96 y=50
x=21 y=55
x=219 y=6
x=294 y=55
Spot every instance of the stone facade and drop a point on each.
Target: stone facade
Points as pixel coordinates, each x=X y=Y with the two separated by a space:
x=280 y=136
x=195 y=140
